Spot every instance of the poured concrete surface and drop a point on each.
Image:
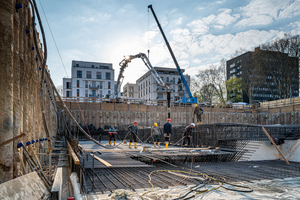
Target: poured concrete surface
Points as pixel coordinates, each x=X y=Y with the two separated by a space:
x=29 y=186
x=266 y=151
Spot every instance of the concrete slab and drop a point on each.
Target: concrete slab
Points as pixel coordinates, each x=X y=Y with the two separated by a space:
x=29 y=186
x=266 y=151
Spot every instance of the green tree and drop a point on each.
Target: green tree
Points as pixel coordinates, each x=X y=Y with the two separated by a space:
x=235 y=88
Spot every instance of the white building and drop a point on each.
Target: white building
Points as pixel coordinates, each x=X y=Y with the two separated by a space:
x=148 y=88
x=89 y=79
x=130 y=90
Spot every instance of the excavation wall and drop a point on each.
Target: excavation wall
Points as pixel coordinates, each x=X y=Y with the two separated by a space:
x=114 y=114
x=20 y=88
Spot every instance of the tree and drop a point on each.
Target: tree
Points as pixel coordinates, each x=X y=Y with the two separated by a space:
x=235 y=89
x=210 y=83
x=279 y=64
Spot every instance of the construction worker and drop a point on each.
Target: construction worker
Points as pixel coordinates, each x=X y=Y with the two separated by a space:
x=188 y=134
x=155 y=133
x=112 y=135
x=109 y=136
x=167 y=132
x=198 y=112
x=134 y=131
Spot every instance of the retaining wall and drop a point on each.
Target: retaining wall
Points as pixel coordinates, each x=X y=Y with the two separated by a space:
x=20 y=77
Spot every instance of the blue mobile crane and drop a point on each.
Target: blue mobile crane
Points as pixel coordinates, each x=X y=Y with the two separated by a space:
x=191 y=99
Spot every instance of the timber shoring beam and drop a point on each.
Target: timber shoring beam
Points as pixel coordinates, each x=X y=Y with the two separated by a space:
x=287 y=162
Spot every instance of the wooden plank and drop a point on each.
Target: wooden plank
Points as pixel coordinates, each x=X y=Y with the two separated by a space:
x=37 y=159
x=12 y=139
x=287 y=162
x=73 y=155
x=101 y=160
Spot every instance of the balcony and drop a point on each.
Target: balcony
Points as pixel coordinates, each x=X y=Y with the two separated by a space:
x=94 y=87
x=94 y=95
x=160 y=90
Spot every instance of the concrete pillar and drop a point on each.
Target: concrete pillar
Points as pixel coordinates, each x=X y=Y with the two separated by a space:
x=6 y=88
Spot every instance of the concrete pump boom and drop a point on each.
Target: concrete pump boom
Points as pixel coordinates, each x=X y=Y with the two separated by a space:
x=124 y=63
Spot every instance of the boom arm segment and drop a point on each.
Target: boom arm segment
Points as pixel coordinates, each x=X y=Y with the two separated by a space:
x=192 y=99
x=124 y=63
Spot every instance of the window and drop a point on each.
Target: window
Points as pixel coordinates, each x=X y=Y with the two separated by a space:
x=103 y=67
x=98 y=75
x=108 y=85
x=68 y=85
x=101 y=93
x=78 y=92
x=100 y=85
x=86 y=84
x=79 y=74
x=160 y=96
x=88 y=74
x=69 y=93
x=77 y=65
x=93 y=66
x=167 y=79
x=107 y=76
x=86 y=93
x=108 y=91
x=77 y=83
x=172 y=73
x=173 y=80
x=93 y=83
x=149 y=89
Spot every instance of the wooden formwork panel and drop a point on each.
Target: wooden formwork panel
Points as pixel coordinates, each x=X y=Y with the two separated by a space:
x=107 y=106
x=121 y=107
x=297 y=108
x=143 y=108
x=274 y=110
x=287 y=109
x=133 y=107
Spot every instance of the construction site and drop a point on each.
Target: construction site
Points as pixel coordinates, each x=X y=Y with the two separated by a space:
x=52 y=148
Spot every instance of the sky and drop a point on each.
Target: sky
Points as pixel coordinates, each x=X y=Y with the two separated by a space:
x=200 y=33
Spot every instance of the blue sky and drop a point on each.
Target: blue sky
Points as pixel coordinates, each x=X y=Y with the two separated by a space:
x=200 y=33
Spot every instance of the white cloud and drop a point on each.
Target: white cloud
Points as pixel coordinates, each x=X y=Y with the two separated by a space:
x=200 y=8
x=263 y=12
x=255 y=20
x=197 y=61
x=219 y=2
x=291 y=10
x=179 y=21
x=224 y=18
x=202 y=26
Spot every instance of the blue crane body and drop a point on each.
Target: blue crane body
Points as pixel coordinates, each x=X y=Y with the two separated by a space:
x=191 y=99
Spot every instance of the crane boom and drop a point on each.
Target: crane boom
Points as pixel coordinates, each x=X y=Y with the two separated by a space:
x=191 y=99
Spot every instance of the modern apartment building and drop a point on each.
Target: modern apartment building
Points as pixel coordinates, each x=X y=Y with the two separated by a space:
x=89 y=80
x=130 y=90
x=148 y=88
x=241 y=67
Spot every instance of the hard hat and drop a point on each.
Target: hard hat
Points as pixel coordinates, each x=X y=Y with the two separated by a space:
x=155 y=124
x=192 y=124
x=135 y=122
x=169 y=120
x=196 y=105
